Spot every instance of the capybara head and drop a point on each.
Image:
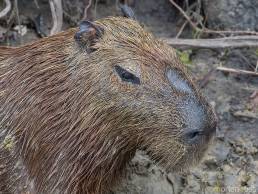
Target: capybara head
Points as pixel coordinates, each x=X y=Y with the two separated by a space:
x=80 y=104
x=152 y=100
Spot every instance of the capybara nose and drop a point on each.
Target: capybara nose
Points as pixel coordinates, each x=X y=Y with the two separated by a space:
x=191 y=136
x=203 y=128
x=200 y=120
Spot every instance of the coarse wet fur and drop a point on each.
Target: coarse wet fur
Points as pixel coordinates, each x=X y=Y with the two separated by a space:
x=74 y=121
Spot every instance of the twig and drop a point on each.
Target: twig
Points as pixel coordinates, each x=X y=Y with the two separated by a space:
x=95 y=8
x=181 y=29
x=36 y=3
x=209 y=31
x=237 y=71
x=57 y=16
x=18 y=19
x=85 y=15
x=245 y=113
x=216 y=43
x=206 y=78
x=7 y=8
x=254 y=94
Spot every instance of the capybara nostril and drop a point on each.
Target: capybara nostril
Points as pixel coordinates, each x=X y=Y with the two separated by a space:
x=192 y=136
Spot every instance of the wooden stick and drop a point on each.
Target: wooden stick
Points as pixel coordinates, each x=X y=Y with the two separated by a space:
x=237 y=71
x=216 y=43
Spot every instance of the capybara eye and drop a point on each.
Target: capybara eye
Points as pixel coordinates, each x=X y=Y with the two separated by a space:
x=126 y=75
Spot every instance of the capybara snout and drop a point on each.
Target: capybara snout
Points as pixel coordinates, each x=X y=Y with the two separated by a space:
x=80 y=103
x=200 y=121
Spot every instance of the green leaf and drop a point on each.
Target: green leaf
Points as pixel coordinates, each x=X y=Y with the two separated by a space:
x=256 y=52
x=185 y=56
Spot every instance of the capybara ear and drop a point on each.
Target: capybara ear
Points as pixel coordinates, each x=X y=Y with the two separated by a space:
x=88 y=35
x=127 y=11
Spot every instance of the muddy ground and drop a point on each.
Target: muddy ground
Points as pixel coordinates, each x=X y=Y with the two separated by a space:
x=231 y=164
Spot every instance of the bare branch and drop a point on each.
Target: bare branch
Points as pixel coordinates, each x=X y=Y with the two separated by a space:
x=237 y=71
x=19 y=21
x=206 y=78
x=36 y=3
x=86 y=10
x=57 y=16
x=7 y=8
x=209 y=31
x=181 y=29
x=216 y=43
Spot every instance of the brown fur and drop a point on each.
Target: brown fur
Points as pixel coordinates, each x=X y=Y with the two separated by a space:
x=76 y=125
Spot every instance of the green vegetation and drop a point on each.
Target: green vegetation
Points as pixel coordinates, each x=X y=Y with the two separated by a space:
x=185 y=57
x=8 y=143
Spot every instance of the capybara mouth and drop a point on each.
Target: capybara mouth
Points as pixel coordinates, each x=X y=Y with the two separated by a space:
x=191 y=153
x=194 y=154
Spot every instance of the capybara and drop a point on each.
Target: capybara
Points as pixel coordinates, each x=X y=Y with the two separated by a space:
x=76 y=106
